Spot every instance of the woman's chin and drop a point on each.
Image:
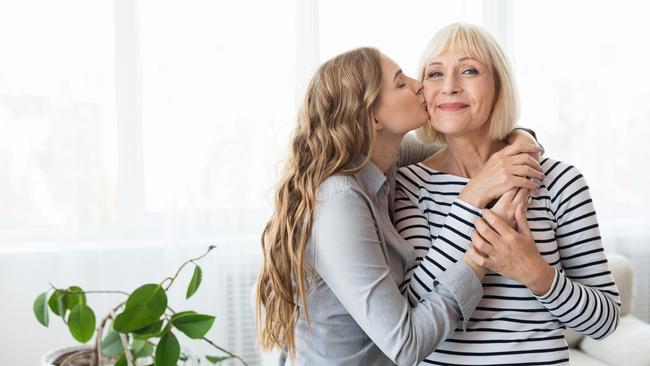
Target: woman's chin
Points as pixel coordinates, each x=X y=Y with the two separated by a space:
x=449 y=128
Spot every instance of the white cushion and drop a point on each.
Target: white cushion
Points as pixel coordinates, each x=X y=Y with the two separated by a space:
x=629 y=345
x=623 y=273
x=578 y=358
x=573 y=338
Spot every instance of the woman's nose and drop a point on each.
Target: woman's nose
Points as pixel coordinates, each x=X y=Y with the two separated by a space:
x=419 y=88
x=451 y=87
x=415 y=85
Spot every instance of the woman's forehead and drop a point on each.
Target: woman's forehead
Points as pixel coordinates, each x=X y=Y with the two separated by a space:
x=457 y=53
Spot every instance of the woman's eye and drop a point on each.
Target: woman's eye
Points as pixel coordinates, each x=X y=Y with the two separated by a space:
x=470 y=71
x=434 y=74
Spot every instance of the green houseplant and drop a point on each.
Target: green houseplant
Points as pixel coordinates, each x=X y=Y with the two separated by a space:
x=138 y=331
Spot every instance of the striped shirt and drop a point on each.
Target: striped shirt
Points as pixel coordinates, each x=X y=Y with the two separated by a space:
x=511 y=326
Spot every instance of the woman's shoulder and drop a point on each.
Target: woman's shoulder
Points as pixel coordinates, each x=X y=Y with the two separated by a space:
x=416 y=173
x=334 y=184
x=554 y=169
x=561 y=177
x=343 y=188
x=421 y=175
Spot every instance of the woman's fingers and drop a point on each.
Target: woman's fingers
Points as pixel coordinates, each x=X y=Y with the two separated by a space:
x=525 y=159
x=501 y=228
x=519 y=148
x=521 y=182
x=526 y=171
x=478 y=258
x=486 y=231
x=483 y=246
x=521 y=197
x=509 y=196
x=522 y=222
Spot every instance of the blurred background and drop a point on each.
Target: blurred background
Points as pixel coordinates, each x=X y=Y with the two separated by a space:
x=134 y=133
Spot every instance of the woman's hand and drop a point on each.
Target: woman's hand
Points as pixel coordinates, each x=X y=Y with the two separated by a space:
x=523 y=137
x=478 y=270
x=506 y=169
x=511 y=253
x=508 y=203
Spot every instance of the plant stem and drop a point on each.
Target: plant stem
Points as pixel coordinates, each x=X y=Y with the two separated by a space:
x=232 y=355
x=225 y=351
x=100 y=332
x=127 y=351
x=172 y=279
x=87 y=292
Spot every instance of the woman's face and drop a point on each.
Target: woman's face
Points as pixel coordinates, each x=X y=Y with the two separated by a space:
x=401 y=106
x=460 y=93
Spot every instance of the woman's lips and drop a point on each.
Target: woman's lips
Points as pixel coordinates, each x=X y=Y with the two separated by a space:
x=452 y=107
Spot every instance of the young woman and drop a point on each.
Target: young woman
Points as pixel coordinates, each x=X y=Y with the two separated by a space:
x=327 y=293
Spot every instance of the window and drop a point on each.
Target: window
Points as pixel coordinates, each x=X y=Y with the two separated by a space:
x=58 y=166
x=399 y=30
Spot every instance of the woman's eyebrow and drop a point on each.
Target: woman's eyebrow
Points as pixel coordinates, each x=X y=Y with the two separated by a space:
x=459 y=60
x=397 y=74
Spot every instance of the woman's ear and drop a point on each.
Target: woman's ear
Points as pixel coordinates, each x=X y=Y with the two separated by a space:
x=378 y=124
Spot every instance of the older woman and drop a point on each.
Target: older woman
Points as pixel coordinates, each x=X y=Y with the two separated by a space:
x=547 y=275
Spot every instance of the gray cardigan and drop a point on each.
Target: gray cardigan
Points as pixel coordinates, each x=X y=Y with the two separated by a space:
x=358 y=315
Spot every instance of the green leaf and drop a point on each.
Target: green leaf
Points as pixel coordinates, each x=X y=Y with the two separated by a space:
x=194 y=326
x=215 y=359
x=141 y=348
x=168 y=350
x=112 y=345
x=40 y=309
x=58 y=303
x=195 y=282
x=121 y=361
x=182 y=313
x=153 y=330
x=143 y=308
x=74 y=297
x=82 y=323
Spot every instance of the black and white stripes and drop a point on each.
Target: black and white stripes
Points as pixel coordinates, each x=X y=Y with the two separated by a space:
x=510 y=324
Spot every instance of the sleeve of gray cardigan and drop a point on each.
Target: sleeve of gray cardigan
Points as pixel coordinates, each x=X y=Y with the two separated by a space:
x=412 y=151
x=351 y=260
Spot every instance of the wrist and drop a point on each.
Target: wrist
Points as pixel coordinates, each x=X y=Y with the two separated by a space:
x=541 y=279
x=471 y=196
x=478 y=270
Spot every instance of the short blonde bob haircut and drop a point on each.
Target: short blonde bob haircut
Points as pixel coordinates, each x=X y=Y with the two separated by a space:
x=477 y=43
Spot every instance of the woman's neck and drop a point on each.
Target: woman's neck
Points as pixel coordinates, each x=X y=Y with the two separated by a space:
x=465 y=156
x=384 y=151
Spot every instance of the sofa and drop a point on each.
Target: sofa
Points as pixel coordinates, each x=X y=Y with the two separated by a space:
x=629 y=345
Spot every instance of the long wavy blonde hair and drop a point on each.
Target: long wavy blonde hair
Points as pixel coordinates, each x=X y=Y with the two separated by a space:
x=335 y=128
